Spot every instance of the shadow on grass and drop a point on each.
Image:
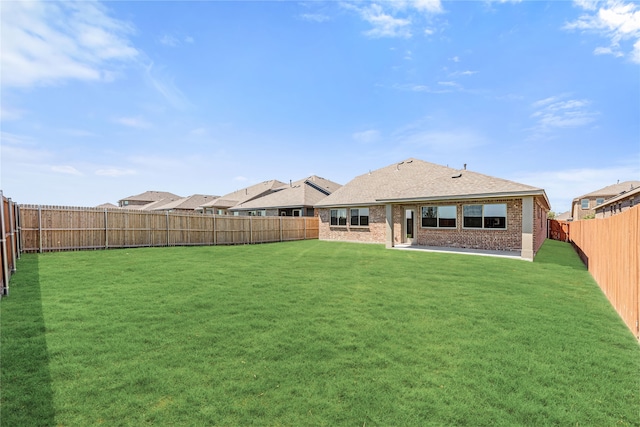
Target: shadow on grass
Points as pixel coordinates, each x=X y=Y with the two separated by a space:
x=27 y=396
x=559 y=253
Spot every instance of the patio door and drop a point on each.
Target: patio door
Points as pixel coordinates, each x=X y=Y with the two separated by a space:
x=409 y=226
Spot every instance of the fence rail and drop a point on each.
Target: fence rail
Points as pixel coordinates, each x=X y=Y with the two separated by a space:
x=54 y=228
x=10 y=240
x=610 y=248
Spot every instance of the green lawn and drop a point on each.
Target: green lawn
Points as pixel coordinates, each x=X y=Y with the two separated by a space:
x=312 y=333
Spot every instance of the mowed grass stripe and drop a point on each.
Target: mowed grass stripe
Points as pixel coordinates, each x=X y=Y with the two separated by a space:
x=313 y=333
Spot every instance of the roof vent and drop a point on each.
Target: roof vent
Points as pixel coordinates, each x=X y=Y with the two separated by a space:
x=457 y=176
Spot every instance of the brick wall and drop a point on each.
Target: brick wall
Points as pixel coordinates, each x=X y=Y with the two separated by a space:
x=374 y=233
x=492 y=239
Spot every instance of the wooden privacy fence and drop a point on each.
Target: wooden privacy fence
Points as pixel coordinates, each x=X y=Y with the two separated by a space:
x=558 y=230
x=55 y=228
x=9 y=247
x=610 y=248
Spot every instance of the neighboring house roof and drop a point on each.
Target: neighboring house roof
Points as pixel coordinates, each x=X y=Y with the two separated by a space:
x=305 y=192
x=563 y=216
x=610 y=190
x=619 y=197
x=107 y=206
x=153 y=206
x=415 y=179
x=244 y=195
x=188 y=203
x=151 y=196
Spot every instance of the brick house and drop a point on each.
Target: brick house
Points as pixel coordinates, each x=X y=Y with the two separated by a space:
x=145 y=199
x=619 y=203
x=222 y=205
x=420 y=203
x=295 y=199
x=586 y=205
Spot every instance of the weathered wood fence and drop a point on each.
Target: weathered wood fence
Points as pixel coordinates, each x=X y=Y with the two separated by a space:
x=610 y=248
x=9 y=241
x=55 y=228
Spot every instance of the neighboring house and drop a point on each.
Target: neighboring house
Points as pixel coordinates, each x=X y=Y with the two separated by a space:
x=619 y=203
x=184 y=204
x=564 y=216
x=146 y=198
x=420 y=203
x=585 y=205
x=107 y=206
x=222 y=205
x=294 y=199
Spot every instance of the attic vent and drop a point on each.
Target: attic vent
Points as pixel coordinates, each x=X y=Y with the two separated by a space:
x=457 y=176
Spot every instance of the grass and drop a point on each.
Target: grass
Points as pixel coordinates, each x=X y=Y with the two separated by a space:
x=312 y=333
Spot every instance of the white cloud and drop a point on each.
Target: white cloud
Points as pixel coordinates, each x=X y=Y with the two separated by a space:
x=65 y=169
x=46 y=43
x=557 y=112
x=133 y=122
x=9 y=114
x=115 y=172
x=612 y=19
x=385 y=25
x=395 y=18
x=165 y=85
x=169 y=40
x=367 y=136
x=315 y=17
x=241 y=179
x=463 y=73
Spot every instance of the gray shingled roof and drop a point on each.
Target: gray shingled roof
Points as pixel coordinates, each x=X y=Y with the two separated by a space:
x=152 y=196
x=615 y=199
x=188 y=203
x=244 y=195
x=415 y=179
x=611 y=190
x=304 y=192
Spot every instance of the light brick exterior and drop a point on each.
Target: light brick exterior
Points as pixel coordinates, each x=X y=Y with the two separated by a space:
x=509 y=239
x=374 y=233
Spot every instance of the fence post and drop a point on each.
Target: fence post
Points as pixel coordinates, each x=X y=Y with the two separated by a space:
x=19 y=244
x=40 y=228
x=214 y=229
x=106 y=230
x=5 y=260
x=13 y=235
x=167 y=228
x=281 y=229
x=305 y=229
x=250 y=229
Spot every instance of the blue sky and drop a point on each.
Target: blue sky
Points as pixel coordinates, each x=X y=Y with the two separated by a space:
x=100 y=101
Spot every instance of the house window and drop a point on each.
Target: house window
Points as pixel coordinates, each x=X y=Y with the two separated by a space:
x=360 y=217
x=338 y=217
x=439 y=216
x=485 y=216
x=584 y=203
x=599 y=201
